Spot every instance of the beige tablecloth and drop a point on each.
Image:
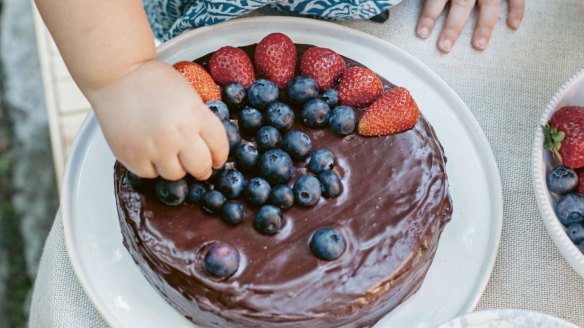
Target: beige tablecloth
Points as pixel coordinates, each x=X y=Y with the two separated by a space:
x=506 y=88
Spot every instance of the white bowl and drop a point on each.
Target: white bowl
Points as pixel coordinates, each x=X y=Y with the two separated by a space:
x=507 y=318
x=570 y=93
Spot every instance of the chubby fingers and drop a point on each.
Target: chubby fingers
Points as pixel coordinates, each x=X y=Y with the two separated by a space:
x=457 y=17
x=213 y=134
x=144 y=169
x=196 y=159
x=170 y=168
x=488 y=17
x=516 y=12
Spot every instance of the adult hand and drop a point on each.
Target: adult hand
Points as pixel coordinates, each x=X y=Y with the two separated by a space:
x=457 y=18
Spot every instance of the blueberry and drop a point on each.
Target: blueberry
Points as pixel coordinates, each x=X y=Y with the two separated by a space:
x=232 y=213
x=298 y=145
x=231 y=183
x=246 y=157
x=234 y=95
x=213 y=201
x=342 y=120
x=331 y=183
x=331 y=97
x=171 y=192
x=222 y=259
x=561 y=179
x=301 y=89
x=320 y=160
x=250 y=120
x=262 y=93
x=570 y=208
x=276 y=166
x=219 y=108
x=307 y=190
x=268 y=220
x=268 y=137
x=134 y=180
x=327 y=243
x=196 y=191
x=233 y=136
x=316 y=113
x=576 y=232
x=257 y=191
x=282 y=196
x=280 y=116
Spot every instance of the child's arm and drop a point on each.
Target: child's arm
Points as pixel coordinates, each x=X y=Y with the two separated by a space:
x=458 y=15
x=151 y=117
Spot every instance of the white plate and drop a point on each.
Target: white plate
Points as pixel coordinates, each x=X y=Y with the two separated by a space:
x=467 y=249
x=507 y=318
x=570 y=93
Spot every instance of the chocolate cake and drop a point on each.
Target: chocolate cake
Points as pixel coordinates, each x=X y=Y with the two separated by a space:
x=393 y=208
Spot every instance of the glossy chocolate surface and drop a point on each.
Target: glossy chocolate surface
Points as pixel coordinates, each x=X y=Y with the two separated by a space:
x=393 y=208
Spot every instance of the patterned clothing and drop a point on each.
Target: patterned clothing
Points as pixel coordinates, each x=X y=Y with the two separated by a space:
x=172 y=17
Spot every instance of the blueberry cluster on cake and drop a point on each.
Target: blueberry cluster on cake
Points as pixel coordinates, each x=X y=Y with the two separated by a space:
x=328 y=212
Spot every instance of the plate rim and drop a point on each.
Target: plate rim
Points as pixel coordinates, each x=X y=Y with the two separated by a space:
x=555 y=229
x=90 y=126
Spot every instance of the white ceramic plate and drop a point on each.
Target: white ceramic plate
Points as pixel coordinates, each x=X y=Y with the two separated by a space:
x=467 y=249
x=570 y=93
x=507 y=318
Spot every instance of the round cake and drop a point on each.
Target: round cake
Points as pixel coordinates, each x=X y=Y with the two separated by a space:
x=392 y=209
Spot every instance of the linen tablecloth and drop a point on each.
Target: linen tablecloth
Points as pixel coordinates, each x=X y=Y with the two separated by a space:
x=506 y=88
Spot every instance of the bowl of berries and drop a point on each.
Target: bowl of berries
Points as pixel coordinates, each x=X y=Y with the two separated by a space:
x=558 y=170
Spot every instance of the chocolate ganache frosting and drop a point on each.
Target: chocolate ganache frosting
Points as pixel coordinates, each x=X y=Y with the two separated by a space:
x=391 y=213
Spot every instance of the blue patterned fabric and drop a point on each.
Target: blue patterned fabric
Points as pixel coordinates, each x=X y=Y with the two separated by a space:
x=172 y=17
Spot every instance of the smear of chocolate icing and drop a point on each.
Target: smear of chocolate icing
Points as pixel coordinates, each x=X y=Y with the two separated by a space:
x=393 y=208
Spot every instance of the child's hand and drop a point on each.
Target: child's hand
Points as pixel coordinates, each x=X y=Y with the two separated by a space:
x=458 y=16
x=156 y=124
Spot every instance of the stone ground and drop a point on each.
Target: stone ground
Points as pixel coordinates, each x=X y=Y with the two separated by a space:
x=28 y=191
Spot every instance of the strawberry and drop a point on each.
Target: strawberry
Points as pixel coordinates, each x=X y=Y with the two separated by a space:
x=570 y=121
x=230 y=64
x=275 y=57
x=580 y=181
x=395 y=111
x=359 y=87
x=199 y=79
x=323 y=65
